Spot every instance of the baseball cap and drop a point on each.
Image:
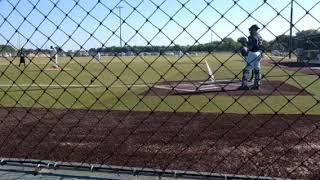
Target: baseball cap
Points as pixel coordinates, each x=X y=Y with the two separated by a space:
x=254 y=27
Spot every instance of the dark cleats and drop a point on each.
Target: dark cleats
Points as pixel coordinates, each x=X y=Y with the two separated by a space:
x=244 y=88
x=255 y=87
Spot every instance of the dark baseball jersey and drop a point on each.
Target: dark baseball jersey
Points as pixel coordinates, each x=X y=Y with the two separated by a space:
x=255 y=43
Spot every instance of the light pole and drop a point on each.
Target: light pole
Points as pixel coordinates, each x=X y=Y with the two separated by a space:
x=119 y=7
x=291 y=27
x=19 y=44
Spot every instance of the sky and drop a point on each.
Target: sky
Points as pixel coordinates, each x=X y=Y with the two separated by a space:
x=72 y=24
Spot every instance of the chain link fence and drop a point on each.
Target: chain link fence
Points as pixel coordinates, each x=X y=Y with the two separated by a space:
x=154 y=87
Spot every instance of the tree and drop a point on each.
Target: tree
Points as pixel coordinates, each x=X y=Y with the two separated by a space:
x=228 y=44
x=266 y=46
x=281 y=43
x=7 y=49
x=309 y=39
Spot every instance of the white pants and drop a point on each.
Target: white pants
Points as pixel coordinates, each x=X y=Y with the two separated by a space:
x=253 y=61
x=55 y=61
x=98 y=57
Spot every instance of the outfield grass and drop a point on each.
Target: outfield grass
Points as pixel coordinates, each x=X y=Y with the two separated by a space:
x=116 y=73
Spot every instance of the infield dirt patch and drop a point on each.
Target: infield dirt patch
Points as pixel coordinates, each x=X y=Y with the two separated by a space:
x=306 y=68
x=300 y=67
x=268 y=88
x=268 y=145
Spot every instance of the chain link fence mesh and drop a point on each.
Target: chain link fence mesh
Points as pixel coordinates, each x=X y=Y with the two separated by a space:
x=153 y=86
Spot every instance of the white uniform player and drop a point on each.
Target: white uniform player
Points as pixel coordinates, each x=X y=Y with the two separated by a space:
x=54 y=57
x=98 y=57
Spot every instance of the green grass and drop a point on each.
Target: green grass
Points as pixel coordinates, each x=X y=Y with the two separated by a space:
x=114 y=72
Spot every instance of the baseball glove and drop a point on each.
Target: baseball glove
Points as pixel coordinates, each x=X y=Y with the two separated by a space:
x=244 y=51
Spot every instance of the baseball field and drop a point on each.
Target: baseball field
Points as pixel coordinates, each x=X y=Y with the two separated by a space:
x=163 y=112
x=132 y=83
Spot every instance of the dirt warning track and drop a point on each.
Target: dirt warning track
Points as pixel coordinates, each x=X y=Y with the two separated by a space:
x=266 y=145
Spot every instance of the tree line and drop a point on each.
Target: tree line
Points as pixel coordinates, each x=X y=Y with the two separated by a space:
x=309 y=39
x=7 y=49
x=227 y=44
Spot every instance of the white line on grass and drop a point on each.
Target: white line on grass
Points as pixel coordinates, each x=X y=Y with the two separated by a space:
x=71 y=85
x=210 y=71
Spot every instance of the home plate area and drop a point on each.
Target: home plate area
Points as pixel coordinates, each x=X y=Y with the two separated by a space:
x=225 y=88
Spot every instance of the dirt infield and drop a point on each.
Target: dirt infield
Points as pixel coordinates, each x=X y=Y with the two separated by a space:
x=228 y=88
x=305 y=68
x=309 y=69
x=269 y=145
